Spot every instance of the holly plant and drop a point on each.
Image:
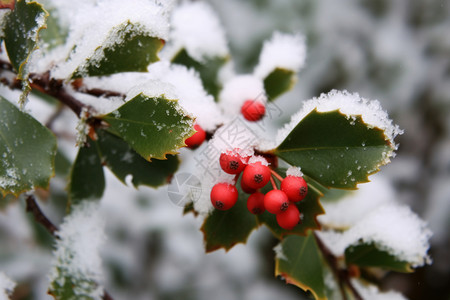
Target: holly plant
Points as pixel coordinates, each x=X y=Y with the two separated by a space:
x=152 y=87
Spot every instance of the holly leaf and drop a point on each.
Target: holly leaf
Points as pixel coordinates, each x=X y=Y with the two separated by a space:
x=21 y=33
x=122 y=160
x=224 y=229
x=154 y=127
x=208 y=70
x=27 y=150
x=278 y=82
x=369 y=255
x=133 y=50
x=309 y=207
x=55 y=34
x=335 y=150
x=87 y=180
x=299 y=262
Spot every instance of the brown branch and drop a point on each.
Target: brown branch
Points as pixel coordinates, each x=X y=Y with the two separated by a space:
x=39 y=216
x=341 y=274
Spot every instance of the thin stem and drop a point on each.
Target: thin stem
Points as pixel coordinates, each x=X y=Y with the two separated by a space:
x=341 y=274
x=278 y=176
x=274 y=185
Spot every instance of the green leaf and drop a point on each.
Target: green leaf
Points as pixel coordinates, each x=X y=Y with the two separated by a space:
x=4 y=201
x=132 y=51
x=55 y=34
x=278 y=82
x=123 y=160
x=368 y=255
x=87 y=180
x=334 y=150
x=68 y=289
x=299 y=262
x=27 y=151
x=153 y=127
x=22 y=27
x=309 y=207
x=208 y=70
x=224 y=229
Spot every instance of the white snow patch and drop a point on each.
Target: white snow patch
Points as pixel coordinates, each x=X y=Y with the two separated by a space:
x=350 y=105
x=284 y=51
x=258 y=158
x=393 y=228
x=77 y=251
x=6 y=286
x=239 y=89
x=372 y=292
x=294 y=171
x=196 y=28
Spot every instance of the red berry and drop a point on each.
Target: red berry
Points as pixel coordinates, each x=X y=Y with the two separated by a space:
x=289 y=218
x=231 y=162
x=255 y=203
x=253 y=110
x=276 y=201
x=256 y=175
x=295 y=188
x=223 y=196
x=247 y=189
x=197 y=139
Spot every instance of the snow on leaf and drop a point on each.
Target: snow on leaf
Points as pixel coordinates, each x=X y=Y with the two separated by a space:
x=76 y=268
x=6 y=286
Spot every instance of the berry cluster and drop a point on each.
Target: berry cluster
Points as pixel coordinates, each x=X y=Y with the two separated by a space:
x=255 y=175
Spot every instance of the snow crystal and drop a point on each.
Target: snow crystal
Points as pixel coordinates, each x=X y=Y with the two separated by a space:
x=294 y=171
x=196 y=28
x=285 y=51
x=372 y=292
x=239 y=89
x=350 y=105
x=258 y=158
x=357 y=204
x=6 y=286
x=153 y=89
x=77 y=251
x=393 y=228
x=151 y=18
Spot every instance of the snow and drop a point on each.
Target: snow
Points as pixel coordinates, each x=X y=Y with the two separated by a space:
x=239 y=89
x=284 y=51
x=350 y=105
x=151 y=19
x=6 y=286
x=77 y=251
x=392 y=227
x=294 y=171
x=196 y=28
x=372 y=292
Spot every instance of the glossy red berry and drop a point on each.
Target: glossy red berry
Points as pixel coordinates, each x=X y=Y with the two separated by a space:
x=295 y=188
x=253 y=110
x=223 y=196
x=289 y=218
x=255 y=203
x=276 y=201
x=197 y=139
x=246 y=188
x=256 y=175
x=231 y=162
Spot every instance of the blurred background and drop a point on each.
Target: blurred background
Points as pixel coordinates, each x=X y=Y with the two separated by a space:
x=397 y=52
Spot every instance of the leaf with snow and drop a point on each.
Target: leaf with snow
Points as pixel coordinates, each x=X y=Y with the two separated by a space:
x=87 y=180
x=127 y=49
x=124 y=161
x=299 y=262
x=21 y=30
x=27 y=150
x=76 y=268
x=280 y=60
x=338 y=139
x=309 y=208
x=224 y=229
x=153 y=126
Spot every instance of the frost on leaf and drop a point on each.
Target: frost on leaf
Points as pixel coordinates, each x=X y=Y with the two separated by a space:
x=338 y=139
x=6 y=286
x=77 y=269
x=27 y=151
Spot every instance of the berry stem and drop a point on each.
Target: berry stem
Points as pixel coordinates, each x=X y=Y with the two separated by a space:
x=278 y=176
x=272 y=181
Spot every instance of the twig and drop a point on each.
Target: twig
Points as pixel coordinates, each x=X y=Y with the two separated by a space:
x=39 y=216
x=341 y=274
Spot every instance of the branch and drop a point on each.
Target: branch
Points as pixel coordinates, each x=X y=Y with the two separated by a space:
x=342 y=274
x=39 y=216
